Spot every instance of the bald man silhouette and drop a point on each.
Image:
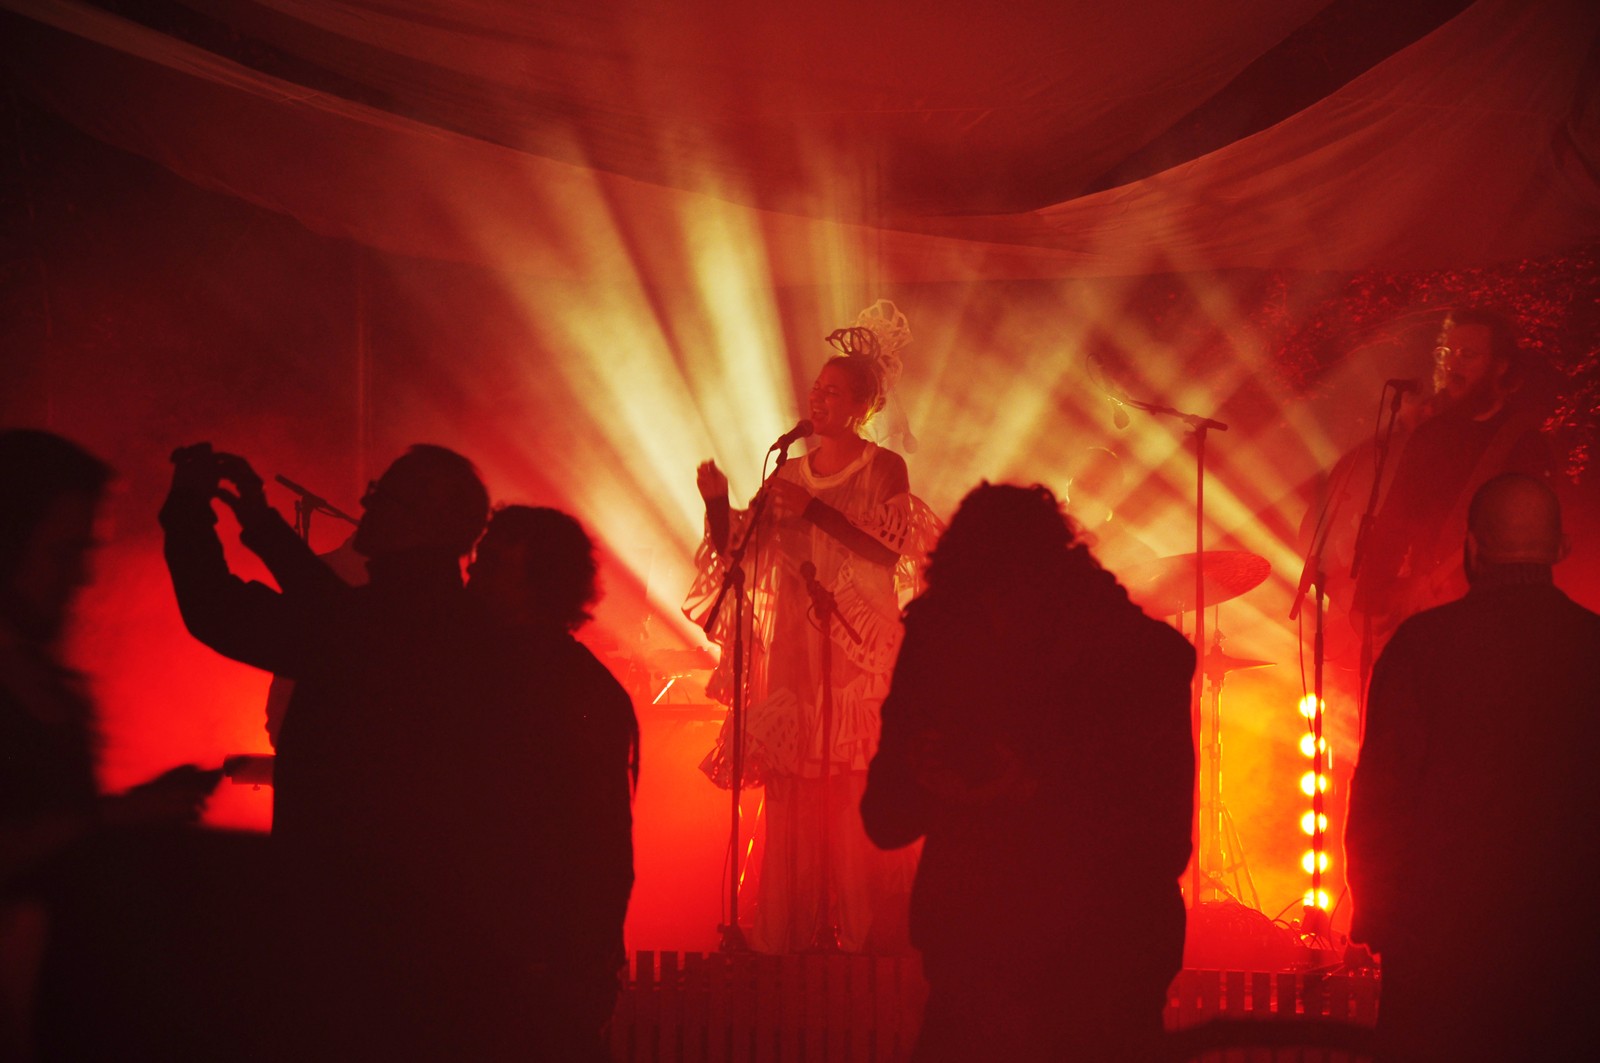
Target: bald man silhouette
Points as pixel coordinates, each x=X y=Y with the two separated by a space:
x=1472 y=837
x=1514 y=520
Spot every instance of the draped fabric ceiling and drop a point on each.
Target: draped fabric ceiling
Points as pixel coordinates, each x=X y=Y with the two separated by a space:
x=486 y=131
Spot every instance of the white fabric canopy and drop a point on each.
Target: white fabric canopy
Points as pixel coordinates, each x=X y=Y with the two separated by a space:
x=590 y=131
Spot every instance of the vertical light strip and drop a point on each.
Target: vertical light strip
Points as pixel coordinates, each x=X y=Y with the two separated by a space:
x=1314 y=784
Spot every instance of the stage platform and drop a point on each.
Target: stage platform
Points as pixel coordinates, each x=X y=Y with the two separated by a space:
x=687 y=1007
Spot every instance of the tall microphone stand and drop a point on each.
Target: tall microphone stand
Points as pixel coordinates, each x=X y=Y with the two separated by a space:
x=1211 y=810
x=827 y=610
x=1314 y=578
x=1383 y=436
x=733 y=939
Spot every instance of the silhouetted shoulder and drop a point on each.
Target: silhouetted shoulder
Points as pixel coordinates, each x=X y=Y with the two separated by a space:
x=606 y=706
x=1170 y=643
x=592 y=671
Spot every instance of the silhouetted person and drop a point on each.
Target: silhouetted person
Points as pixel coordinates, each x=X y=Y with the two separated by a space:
x=349 y=566
x=561 y=763
x=1037 y=735
x=391 y=679
x=1471 y=835
x=51 y=812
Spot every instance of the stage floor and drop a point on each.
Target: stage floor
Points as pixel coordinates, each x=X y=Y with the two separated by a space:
x=745 y=1008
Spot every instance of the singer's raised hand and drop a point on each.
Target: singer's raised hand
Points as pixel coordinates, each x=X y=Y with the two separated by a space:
x=711 y=481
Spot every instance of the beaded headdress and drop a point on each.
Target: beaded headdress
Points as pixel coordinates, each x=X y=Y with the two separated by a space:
x=880 y=333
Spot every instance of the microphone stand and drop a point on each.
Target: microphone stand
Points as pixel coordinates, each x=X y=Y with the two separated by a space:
x=1314 y=577
x=1212 y=808
x=733 y=939
x=306 y=503
x=827 y=610
x=1383 y=436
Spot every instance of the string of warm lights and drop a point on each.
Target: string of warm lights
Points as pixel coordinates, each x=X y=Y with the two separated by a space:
x=1314 y=784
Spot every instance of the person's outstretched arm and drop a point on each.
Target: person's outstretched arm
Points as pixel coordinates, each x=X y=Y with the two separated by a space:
x=289 y=558
x=248 y=622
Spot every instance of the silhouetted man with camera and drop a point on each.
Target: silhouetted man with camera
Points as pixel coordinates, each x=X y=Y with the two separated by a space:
x=365 y=780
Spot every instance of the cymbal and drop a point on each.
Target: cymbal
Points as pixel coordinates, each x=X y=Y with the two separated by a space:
x=1166 y=585
x=1217 y=662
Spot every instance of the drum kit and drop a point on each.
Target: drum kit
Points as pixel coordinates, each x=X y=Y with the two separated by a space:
x=1167 y=586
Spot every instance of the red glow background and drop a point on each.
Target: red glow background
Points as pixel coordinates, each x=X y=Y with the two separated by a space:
x=143 y=312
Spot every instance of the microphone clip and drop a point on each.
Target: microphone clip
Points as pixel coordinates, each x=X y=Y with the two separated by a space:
x=822 y=600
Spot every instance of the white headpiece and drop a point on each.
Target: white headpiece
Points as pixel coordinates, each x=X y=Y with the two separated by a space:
x=893 y=331
x=881 y=331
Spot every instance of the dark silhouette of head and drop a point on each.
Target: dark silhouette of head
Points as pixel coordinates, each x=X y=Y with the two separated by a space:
x=1012 y=538
x=537 y=564
x=1513 y=520
x=52 y=490
x=430 y=499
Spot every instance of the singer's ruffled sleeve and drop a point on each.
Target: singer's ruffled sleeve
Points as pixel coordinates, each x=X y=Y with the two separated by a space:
x=711 y=572
x=908 y=526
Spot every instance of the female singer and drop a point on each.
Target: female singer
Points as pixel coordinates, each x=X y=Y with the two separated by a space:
x=846 y=509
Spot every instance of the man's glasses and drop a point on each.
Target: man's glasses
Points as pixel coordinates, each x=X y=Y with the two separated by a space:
x=1446 y=356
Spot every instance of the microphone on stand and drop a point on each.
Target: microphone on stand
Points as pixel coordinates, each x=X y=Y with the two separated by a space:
x=822 y=598
x=785 y=441
x=1101 y=379
x=1405 y=385
x=316 y=501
